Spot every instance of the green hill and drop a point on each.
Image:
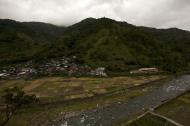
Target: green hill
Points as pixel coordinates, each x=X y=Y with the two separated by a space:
x=118 y=46
x=22 y=41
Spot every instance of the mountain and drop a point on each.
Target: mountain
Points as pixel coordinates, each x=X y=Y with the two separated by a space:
x=118 y=46
x=21 y=41
x=36 y=30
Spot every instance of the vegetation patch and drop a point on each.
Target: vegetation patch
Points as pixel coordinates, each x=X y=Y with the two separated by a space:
x=148 y=120
x=178 y=109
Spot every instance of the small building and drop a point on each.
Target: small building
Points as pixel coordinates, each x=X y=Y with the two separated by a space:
x=148 y=69
x=22 y=73
x=26 y=72
x=3 y=75
x=100 y=71
x=144 y=70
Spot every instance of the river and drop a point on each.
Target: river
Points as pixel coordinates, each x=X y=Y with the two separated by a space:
x=117 y=112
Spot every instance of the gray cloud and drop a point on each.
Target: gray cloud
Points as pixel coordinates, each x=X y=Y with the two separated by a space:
x=159 y=13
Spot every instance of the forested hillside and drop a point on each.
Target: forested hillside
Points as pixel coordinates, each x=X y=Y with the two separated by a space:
x=118 y=46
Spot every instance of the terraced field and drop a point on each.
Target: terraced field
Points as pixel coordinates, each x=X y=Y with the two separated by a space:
x=72 y=88
x=178 y=109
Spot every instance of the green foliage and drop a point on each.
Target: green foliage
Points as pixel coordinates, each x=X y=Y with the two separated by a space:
x=15 y=97
x=150 y=120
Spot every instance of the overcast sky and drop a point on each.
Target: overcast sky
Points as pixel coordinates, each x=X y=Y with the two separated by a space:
x=154 y=13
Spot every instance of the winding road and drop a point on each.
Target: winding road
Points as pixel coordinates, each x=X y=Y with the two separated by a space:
x=117 y=112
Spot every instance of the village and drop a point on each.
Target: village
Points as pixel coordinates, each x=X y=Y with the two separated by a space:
x=63 y=66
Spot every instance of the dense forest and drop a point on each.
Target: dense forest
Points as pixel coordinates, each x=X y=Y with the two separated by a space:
x=118 y=46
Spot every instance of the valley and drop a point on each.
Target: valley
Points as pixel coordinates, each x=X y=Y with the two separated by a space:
x=97 y=72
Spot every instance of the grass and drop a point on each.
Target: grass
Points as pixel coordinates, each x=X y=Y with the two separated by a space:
x=148 y=120
x=178 y=109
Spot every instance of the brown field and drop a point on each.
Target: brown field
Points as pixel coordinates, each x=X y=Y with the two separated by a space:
x=71 y=88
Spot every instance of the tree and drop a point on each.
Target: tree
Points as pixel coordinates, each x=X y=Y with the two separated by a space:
x=15 y=99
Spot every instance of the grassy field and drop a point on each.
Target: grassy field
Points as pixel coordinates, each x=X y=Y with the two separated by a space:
x=58 y=89
x=148 y=120
x=178 y=109
x=72 y=88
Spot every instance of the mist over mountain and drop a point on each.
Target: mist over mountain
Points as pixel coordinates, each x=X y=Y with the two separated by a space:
x=118 y=46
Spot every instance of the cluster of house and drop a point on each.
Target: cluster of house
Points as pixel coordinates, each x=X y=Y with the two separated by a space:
x=17 y=72
x=61 y=66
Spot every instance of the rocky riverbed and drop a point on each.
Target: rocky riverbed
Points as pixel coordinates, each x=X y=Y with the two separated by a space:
x=117 y=112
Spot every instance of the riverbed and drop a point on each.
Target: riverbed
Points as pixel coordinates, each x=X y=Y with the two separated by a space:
x=118 y=112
